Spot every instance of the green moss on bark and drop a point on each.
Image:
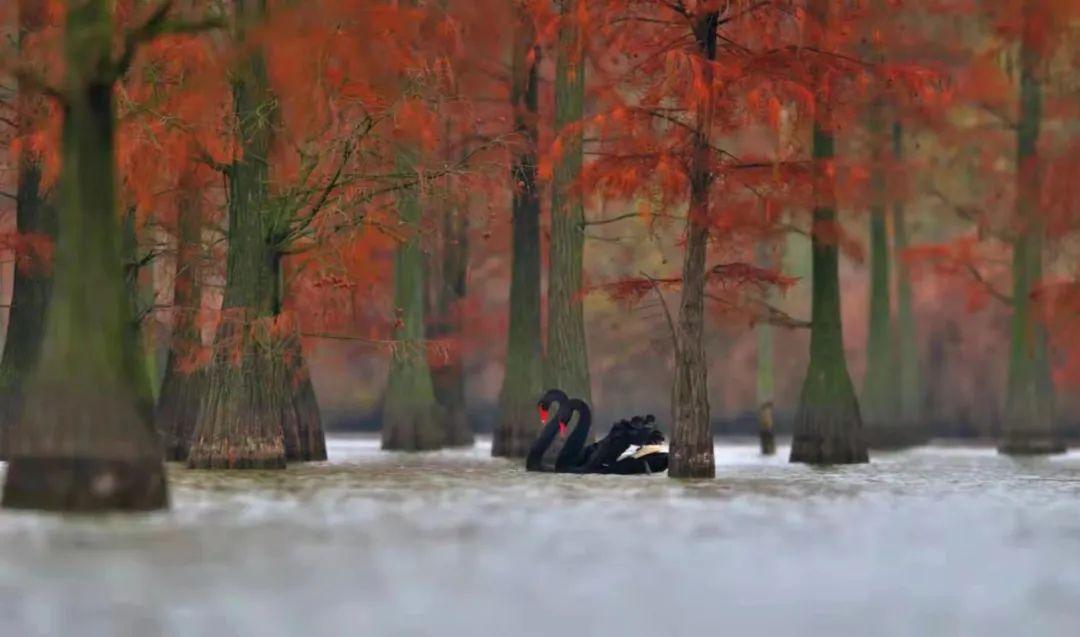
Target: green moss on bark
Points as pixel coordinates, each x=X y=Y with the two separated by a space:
x=85 y=441
x=828 y=425
x=517 y=425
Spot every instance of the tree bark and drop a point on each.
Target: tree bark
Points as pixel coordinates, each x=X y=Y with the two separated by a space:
x=177 y=408
x=256 y=384
x=828 y=426
x=879 y=398
x=517 y=426
x=86 y=441
x=567 y=361
x=691 y=431
x=449 y=379
x=1030 y=426
x=35 y=216
x=765 y=363
x=907 y=344
x=411 y=417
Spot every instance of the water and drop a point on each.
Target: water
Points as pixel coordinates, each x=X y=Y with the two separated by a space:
x=935 y=541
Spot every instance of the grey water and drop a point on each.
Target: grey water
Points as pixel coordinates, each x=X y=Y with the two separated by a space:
x=932 y=541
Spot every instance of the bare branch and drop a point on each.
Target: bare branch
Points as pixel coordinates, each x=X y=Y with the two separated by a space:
x=667 y=311
x=988 y=286
x=769 y=313
x=156 y=25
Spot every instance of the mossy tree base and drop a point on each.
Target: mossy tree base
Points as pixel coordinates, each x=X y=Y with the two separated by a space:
x=240 y=424
x=305 y=440
x=177 y=411
x=85 y=485
x=829 y=435
x=85 y=450
x=518 y=426
x=459 y=431
x=412 y=420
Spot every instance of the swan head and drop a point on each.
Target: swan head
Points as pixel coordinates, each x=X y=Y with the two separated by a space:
x=550 y=396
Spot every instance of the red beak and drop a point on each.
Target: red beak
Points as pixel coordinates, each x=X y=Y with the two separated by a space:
x=562 y=428
x=543 y=414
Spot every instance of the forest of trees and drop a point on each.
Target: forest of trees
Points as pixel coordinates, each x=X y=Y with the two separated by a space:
x=197 y=193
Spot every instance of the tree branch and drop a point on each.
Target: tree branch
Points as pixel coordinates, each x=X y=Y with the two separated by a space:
x=988 y=286
x=667 y=312
x=155 y=25
x=771 y=314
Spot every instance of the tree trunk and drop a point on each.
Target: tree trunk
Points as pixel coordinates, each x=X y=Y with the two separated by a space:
x=765 y=363
x=879 y=397
x=691 y=431
x=518 y=426
x=1030 y=426
x=257 y=382
x=411 y=417
x=567 y=362
x=449 y=379
x=907 y=345
x=86 y=441
x=828 y=427
x=35 y=217
x=181 y=390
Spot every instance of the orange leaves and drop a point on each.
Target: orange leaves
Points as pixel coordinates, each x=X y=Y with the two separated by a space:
x=415 y=123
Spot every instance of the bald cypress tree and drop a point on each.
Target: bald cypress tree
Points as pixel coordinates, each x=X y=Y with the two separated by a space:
x=828 y=425
x=85 y=441
x=35 y=216
x=1030 y=418
x=517 y=425
x=259 y=409
x=567 y=361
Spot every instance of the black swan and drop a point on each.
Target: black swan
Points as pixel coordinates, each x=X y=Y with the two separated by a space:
x=604 y=456
x=553 y=423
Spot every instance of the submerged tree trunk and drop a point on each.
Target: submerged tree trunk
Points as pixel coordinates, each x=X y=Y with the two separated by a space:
x=449 y=379
x=85 y=441
x=828 y=426
x=691 y=431
x=35 y=217
x=879 y=399
x=765 y=363
x=256 y=412
x=907 y=345
x=411 y=417
x=1030 y=426
x=517 y=425
x=181 y=390
x=567 y=362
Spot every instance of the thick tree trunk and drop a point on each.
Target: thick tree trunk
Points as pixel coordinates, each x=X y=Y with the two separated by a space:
x=411 y=417
x=879 y=398
x=828 y=426
x=518 y=426
x=257 y=382
x=35 y=217
x=907 y=344
x=691 y=431
x=1030 y=426
x=85 y=441
x=181 y=390
x=567 y=362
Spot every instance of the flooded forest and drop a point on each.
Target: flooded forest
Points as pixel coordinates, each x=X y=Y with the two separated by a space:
x=526 y=317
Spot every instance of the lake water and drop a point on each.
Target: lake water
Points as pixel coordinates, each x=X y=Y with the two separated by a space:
x=933 y=541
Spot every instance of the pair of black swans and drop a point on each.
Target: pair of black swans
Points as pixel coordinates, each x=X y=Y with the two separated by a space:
x=603 y=456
